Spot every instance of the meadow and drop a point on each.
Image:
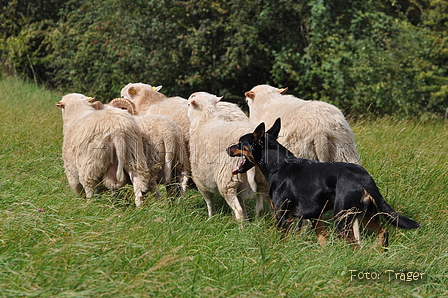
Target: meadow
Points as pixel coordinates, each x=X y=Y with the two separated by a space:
x=55 y=244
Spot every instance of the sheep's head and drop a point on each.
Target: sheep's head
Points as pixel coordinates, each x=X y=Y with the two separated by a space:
x=202 y=101
x=131 y=89
x=123 y=103
x=266 y=89
x=74 y=105
x=73 y=97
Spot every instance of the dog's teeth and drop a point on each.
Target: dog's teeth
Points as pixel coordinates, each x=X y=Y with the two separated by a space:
x=239 y=166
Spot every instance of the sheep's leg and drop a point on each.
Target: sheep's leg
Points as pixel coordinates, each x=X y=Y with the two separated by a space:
x=251 y=180
x=88 y=182
x=167 y=168
x=73 y=182
x=172 y=187
x=252 y=189
x=89 y=190
x=209 y=198
x=234 y=203
x=183 y=179
x=324 y=148
x=139 y=188
x=183 y=168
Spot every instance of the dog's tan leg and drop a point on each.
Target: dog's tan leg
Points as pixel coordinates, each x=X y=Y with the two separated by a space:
x=319 y=228
x=348 y=228
x=350 y=237
x=375 y=226
x=263 y=192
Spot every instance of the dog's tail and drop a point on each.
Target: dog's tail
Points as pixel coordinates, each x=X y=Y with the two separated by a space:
x=389 y=214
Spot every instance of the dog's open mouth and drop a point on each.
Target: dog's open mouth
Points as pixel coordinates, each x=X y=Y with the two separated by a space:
x=243 y=166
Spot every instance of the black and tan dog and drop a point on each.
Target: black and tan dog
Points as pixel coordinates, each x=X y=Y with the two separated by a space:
x=306 y=189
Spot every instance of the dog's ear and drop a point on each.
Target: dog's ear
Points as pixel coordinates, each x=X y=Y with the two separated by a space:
x=259 y=132
x=275 y=129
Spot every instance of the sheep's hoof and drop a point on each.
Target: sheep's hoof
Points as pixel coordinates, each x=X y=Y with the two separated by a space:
x=138 y=203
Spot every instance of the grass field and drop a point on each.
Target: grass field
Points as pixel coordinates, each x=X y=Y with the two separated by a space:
x=53 y=244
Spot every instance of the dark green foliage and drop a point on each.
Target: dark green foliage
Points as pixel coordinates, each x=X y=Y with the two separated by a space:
x=366 y=57
x=362 y=59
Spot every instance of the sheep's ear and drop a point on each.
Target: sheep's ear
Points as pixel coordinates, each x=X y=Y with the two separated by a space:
x=275 y=129
x=250 y=94
x=219 y=98
x=282 y=90
x=156 y=88
x=60 y=104
x=194 y=103
x=97 y=105
x=132 y=91
x=259 y=132
x=89 y=99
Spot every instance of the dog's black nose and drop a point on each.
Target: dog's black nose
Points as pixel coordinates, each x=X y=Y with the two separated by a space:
x=231 y=150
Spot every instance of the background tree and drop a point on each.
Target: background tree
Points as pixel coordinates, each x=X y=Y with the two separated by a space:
x=367 y=57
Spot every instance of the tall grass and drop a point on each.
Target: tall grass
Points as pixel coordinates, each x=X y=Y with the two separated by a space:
x=53 y=244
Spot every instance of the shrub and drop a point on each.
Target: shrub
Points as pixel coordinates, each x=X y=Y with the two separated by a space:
x=367 y=57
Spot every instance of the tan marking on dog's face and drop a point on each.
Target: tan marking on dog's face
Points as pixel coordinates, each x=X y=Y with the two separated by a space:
x=234 y=151
x=248 y=155
x=245 y=152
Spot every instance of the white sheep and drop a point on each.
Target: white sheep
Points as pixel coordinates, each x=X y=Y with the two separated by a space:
x=211 y=133
x=148 y=100
x=165 y=138
x=311 y=129
x=163 y=142
x=100 y=146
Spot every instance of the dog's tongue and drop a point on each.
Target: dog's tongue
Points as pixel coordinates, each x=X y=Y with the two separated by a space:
x=238 y=167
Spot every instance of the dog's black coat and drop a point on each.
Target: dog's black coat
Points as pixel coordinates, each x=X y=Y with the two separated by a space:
x=306 y=189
